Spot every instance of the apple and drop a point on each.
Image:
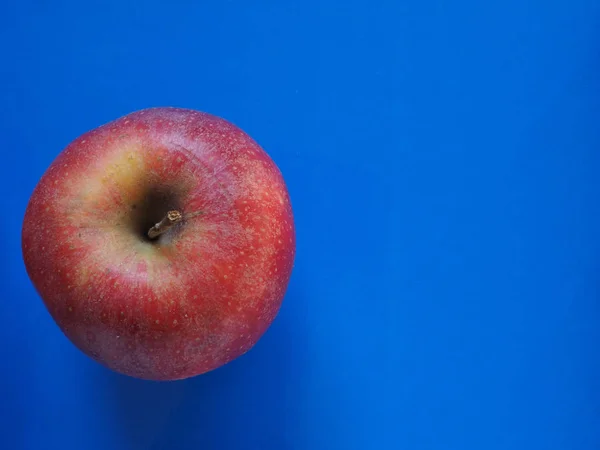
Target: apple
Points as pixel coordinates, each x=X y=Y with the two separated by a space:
x=161 y=243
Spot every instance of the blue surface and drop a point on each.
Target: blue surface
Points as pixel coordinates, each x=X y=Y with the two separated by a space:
x=443 y=163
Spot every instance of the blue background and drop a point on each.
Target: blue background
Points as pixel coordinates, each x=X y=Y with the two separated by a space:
x=443 y=162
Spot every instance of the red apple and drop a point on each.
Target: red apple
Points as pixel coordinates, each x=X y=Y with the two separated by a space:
x=161 y=243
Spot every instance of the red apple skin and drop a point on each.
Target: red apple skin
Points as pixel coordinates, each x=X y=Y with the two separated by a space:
x=200 y=295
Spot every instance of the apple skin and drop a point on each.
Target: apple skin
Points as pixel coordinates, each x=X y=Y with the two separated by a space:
x=198 y=296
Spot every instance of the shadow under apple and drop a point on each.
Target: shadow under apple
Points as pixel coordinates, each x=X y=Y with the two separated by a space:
x=242 y=405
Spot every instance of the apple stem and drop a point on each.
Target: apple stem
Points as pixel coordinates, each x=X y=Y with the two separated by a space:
x=164 y=225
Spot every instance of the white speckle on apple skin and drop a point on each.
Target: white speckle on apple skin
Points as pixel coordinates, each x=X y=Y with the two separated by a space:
x=227 y=268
